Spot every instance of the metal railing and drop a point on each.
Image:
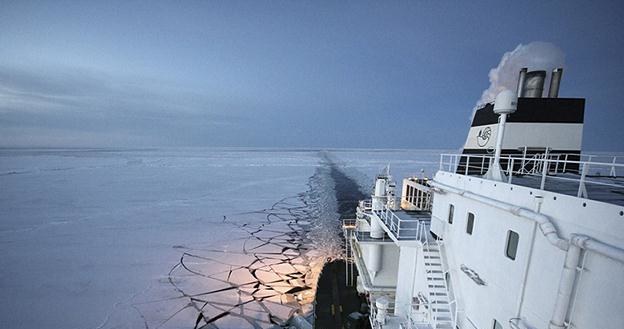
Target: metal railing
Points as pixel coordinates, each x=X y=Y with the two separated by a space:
x=364 y=236
x=402 y=228
x=541 y=170
x=416 y=195
x=430 y=246
x=348 y=230
x=366 y=205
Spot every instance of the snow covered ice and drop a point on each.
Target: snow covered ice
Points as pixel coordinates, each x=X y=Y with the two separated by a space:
x=170 y=238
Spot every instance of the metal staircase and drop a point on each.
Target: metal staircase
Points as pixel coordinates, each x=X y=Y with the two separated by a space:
x=441 y=301
x=348 y=231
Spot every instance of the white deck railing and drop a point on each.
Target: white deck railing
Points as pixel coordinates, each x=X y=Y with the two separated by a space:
x=403 y=228
x=416 y=195
x=582 y=171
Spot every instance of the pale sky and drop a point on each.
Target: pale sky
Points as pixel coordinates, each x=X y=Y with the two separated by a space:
x=392 y=74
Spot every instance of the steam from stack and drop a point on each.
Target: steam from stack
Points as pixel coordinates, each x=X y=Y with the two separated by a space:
x=535 y=55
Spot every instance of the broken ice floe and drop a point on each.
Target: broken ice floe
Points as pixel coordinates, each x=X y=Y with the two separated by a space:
x=262 y=279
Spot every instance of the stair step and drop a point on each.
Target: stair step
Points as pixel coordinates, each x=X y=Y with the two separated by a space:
x=432 y=257
x=437 y=293
x=433 y=264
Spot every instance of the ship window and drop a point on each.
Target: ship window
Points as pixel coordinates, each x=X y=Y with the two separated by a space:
x=512 y=245
x=451 y=212
x=497 y=325
x=470 y=224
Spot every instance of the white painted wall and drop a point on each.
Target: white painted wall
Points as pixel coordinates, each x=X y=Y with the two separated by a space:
x=601 y=292
x=387 y=276
x=405 y=279
x=557 y=136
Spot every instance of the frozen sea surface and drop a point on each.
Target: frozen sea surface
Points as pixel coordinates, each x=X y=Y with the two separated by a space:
x=170 y=238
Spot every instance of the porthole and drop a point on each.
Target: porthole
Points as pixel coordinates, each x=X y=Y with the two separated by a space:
x=584 y=204
x=511 y=247
x=470 y=223
x=451 y=213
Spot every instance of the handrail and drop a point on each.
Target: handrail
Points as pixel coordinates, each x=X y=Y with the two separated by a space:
x=583 y=170
x=397 y=225
x=453 y=307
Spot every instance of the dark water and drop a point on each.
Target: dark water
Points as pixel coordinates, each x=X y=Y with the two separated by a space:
x=347 y=192
x=334 y=299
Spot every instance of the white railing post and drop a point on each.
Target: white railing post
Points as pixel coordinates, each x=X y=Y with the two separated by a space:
x=523 y=157
x=565 y=162
x=482 y=164
x=441 y=160
x=613 y=173
x=544 y=171
x=510 y=170
x=582 y=191
x=467 y=164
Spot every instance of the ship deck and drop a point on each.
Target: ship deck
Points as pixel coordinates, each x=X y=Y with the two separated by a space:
x=593 y=177
x=600 y=188
x=405 y=225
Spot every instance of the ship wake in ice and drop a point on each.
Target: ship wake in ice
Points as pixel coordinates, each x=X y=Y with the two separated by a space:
x=265 y=278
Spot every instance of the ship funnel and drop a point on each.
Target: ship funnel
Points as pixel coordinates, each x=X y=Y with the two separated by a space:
x=555 y=81
x=521 y=79
x=533 y=85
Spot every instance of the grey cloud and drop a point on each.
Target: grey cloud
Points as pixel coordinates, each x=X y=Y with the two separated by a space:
x=89 y=103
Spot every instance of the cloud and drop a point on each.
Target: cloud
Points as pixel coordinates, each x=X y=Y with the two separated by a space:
x=78 y=106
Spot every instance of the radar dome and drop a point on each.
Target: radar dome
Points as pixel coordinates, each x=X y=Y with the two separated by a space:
x=506 y=102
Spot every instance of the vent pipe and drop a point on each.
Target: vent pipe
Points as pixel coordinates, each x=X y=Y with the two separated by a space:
x=534 y=84
x=521 y=78
x=555 y=81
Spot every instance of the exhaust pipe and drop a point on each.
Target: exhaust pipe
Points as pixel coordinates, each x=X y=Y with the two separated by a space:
x=555 y=81
x=534 y=84
x=521 y=79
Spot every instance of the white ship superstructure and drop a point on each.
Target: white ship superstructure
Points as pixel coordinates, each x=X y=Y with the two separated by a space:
x=537 y=244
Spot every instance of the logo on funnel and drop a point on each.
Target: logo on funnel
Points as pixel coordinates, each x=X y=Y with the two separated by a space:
x=484 y=136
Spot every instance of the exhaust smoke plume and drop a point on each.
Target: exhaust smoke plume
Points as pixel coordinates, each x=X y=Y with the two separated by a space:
x=536 y=55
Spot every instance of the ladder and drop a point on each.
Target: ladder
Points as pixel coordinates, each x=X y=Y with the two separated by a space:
x=440 y=299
